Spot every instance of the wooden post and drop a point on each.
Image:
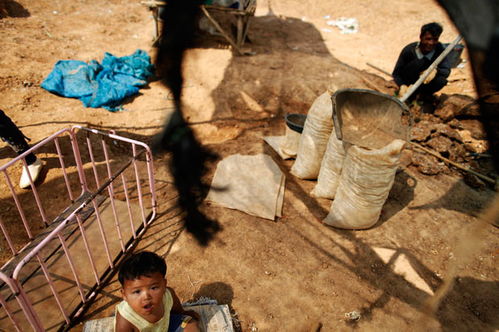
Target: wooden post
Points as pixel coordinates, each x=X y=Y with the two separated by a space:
x=222 y=31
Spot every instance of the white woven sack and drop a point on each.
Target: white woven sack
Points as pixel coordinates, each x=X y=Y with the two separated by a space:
x=290 y=142
x=364 y=185
x=313 y=140
x=331 y=166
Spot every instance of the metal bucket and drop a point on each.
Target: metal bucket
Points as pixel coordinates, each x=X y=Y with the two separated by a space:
x=295 y=121
x=368 y=118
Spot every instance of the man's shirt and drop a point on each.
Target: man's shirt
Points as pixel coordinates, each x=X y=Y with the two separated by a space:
x=412 y=62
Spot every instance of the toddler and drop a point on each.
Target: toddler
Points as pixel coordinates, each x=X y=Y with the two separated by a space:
x=148 y=304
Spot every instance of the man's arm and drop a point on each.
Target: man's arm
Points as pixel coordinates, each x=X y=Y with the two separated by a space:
x=397 y=71
x=408 y=66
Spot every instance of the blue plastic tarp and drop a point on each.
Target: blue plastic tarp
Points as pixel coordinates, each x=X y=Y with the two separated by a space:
x=100 y=85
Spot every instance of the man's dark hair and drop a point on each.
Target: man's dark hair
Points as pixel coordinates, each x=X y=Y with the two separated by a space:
x=143 y=263
x=433 y=28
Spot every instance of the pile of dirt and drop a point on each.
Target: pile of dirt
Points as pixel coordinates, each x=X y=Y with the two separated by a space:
x=451 y=128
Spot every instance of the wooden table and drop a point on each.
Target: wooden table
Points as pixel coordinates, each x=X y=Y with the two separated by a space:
x=242 y=19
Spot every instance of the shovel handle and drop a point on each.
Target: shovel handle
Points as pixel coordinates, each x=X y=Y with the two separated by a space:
x=427 y=72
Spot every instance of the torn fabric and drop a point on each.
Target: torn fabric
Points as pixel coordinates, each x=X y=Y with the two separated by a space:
x=252 y=184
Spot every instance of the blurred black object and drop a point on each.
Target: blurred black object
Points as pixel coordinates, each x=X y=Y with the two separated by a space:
x=478 y=23
x=189 y=158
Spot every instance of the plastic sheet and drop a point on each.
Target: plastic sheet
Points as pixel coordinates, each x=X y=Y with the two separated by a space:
x=100 y=85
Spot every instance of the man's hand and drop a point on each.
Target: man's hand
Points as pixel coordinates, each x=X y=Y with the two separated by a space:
x=430 y=77
x=402 y=90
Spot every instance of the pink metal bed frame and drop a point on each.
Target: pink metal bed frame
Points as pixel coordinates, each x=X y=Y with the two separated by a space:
x=124 y=174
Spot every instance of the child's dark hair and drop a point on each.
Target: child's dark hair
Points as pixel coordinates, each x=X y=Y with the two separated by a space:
x=143 y=263
x=433 y=28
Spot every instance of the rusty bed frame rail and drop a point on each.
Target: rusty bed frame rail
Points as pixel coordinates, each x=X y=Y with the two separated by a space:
x=38 y=254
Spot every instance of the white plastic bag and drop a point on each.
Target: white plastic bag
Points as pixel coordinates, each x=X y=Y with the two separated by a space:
x=331 y=166
x=313 y=140
x=364 y=185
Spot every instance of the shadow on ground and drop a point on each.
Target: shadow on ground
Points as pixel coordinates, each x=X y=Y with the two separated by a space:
x=10 y=8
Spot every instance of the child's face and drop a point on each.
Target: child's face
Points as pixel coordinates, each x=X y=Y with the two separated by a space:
x=145 y=295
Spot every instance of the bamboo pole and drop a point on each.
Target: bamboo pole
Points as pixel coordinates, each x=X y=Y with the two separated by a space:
x=379 y=69
x=468 y=169
x=464 y=168
x=411 y=91
x=427 y=72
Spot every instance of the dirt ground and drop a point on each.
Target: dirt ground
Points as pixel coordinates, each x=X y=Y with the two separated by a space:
x=292 y=273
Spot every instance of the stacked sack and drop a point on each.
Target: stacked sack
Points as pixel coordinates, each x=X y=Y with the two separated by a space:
x=358 y=179
x=363 y=186
x=313 y=140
